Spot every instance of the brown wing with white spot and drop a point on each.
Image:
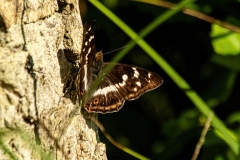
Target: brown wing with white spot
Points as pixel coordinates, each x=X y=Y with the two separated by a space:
x=105 y=99
x=87 y=57
x=123 y=82
x=133 y=81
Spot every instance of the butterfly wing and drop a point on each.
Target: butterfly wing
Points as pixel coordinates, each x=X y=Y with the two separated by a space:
x=123 y=82
x=87 y=57
x=105 y=99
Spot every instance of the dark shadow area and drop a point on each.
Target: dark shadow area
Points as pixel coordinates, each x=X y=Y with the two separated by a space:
x=29 y=67
x=2 y=25
x=68 y=74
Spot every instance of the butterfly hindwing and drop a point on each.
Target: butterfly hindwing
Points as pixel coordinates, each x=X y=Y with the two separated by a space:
x=123 y=82
x=105 y=99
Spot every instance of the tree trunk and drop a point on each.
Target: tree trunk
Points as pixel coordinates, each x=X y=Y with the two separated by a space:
x=40 y=42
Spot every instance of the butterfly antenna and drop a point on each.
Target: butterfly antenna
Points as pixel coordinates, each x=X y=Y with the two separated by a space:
x=115 y=50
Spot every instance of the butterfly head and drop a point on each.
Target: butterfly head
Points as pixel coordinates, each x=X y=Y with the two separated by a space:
x=99 y=56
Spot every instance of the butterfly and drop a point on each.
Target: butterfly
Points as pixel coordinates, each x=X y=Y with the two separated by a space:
x=122 y=82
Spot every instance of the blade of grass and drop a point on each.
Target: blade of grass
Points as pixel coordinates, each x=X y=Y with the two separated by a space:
x=191 y=94
x=194 y=13
x=149 y=28
x=154 y=24
x=125 y=149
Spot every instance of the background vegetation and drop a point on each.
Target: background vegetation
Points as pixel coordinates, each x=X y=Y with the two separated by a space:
x=165 y=123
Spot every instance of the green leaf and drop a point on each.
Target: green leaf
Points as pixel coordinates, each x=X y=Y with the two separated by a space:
x=224 y=41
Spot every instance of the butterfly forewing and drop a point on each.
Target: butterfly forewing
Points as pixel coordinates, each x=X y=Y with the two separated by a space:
x=133 y=81
x=122 y=82
x=87 y=58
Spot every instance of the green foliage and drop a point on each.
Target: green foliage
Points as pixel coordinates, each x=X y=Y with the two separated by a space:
x=224 y=41
x=169 y=126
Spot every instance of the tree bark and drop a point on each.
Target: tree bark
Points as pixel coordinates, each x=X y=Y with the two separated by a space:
x=40 y=118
